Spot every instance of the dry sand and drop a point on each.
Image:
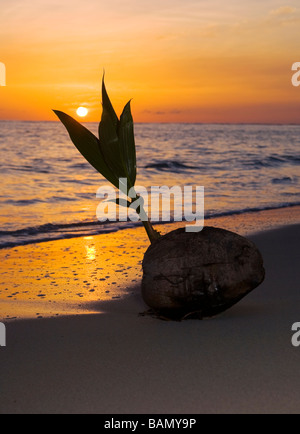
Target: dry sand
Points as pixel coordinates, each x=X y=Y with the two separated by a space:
x=115 y=361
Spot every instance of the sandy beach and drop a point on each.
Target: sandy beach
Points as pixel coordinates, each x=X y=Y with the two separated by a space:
x=103 y=357
x=121 y=122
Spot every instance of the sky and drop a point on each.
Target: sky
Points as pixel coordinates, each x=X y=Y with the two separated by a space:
x=179 y=61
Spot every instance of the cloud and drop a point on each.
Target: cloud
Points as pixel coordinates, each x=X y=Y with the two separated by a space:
x=283 y=16
x=283 y=11
x=163 y=113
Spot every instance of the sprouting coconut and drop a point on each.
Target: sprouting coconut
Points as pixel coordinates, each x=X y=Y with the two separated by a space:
x=184 y=273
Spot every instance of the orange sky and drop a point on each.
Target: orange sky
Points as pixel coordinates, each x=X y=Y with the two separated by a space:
x=180 y=61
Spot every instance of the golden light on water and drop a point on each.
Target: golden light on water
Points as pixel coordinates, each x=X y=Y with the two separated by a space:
x=90 y=253
x=82 y=111
x=90 y=249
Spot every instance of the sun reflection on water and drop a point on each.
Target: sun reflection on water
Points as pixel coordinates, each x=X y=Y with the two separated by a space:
x=90 y=250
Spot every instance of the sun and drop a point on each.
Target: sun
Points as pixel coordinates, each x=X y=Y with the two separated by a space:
x=82 y=111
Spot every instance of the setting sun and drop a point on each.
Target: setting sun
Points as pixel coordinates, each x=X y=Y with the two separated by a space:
x=82 y=111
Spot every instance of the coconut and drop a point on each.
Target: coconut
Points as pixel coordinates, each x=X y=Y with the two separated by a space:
x=203 y=272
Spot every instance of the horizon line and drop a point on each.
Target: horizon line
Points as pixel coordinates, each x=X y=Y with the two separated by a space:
x=163 y=123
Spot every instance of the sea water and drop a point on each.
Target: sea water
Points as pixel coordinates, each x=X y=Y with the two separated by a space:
x=48 y=191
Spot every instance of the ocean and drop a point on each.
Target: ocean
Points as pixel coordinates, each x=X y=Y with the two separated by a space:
x=48 y=191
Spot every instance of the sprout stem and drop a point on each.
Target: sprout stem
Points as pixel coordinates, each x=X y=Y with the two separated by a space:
x=152 y=233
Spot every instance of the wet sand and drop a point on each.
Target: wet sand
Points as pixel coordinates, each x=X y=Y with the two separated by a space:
x=68 y=277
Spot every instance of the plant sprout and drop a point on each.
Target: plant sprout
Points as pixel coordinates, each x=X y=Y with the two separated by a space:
x=113 y=154
x=184 y=273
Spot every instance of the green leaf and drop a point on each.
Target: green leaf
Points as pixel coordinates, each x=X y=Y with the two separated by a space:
x=127 y=143
x=110 y=147
x=88 y=145
x=107 y=106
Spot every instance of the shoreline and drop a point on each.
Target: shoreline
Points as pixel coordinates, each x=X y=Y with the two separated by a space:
x=69 y=276
x=118 y=362
x=117 y=226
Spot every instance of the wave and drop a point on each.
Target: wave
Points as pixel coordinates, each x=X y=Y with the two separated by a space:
x=26 y=168
x=172 y=166
x=22 y=202
x=52 y=232
x=283 y=180
x=48 y=227
x=273 y=161
x=254 y=209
